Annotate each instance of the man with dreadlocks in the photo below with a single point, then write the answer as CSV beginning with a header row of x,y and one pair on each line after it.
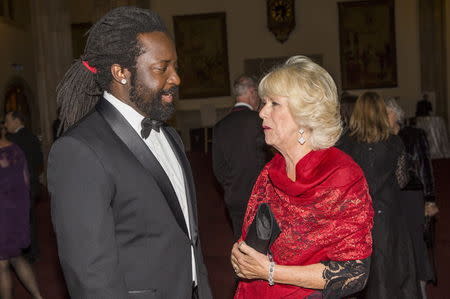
x,y
123,199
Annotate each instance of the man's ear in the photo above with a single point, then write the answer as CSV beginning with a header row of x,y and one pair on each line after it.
x,y
120,74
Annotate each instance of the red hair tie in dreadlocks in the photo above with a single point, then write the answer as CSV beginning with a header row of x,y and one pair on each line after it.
x,y
90,68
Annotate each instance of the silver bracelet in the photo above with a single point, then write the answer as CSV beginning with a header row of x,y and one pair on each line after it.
x,y
271,269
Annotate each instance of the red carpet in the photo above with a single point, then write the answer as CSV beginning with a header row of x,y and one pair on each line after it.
x,y
216,237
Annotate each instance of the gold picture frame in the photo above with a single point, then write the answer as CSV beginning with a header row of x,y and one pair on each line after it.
x,y
201,42
367,44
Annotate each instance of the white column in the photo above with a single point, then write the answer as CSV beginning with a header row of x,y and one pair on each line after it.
x,y
433,52
51,32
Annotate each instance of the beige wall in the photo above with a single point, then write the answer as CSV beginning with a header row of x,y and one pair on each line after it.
x,y
81,11
16,47
248,37
85,11
316,32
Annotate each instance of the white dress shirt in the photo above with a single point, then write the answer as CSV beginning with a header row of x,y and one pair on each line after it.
x,y
19,128
243,104
160,147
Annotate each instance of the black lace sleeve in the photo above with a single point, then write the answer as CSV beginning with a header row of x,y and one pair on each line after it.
x,y
425,170
344,278
402,170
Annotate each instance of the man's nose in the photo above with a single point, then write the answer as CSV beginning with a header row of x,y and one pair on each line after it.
x,y
174,78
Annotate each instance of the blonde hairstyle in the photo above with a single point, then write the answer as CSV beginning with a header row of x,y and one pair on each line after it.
x,y
312,98
369,121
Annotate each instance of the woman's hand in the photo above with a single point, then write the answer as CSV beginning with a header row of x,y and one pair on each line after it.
x,y
431,209
249,263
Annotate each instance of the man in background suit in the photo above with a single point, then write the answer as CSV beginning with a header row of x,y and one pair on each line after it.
x,y
239,150
123,199
31,146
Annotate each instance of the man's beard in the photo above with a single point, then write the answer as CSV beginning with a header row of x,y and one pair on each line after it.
x,y
150,102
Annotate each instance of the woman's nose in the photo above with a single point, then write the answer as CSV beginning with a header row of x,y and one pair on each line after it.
x,y
263,112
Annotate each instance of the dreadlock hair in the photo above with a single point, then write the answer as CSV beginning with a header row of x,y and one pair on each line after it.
x,y
112,40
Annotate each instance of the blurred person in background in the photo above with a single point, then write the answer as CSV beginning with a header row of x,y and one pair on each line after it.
x,y
381,155
19,134
14,219
418,198
239,151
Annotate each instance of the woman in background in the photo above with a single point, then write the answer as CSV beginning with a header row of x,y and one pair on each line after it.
x,y
381,156
419,191
14,219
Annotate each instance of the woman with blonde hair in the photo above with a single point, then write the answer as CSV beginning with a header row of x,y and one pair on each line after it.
x,y
381,156
317,194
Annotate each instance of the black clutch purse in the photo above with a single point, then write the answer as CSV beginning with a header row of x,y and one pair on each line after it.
x,y
264,229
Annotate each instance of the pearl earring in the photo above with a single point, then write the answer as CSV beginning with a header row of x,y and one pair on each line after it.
x,y
123,81
301,140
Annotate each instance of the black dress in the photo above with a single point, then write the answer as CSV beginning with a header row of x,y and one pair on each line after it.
x,y
392,272
14,202
420,188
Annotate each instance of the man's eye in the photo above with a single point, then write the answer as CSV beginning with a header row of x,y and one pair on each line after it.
x,y
161,68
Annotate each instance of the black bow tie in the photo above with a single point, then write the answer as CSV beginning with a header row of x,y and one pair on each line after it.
x,y
148,125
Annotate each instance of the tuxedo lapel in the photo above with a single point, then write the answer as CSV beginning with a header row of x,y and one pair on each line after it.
x,y
144,155
188,182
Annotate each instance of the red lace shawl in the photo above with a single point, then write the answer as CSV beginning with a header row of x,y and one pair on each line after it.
x,y
326,214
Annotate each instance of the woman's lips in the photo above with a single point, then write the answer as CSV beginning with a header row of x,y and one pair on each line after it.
x,y
266,128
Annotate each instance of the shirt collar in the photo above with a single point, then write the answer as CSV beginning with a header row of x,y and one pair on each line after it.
x,y
243,104
133,117
19,128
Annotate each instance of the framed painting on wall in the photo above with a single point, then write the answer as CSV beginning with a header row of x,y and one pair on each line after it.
x,y
367,44
201,42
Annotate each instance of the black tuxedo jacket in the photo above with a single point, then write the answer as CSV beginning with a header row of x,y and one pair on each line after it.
x,y
239,154
31,147
120,230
